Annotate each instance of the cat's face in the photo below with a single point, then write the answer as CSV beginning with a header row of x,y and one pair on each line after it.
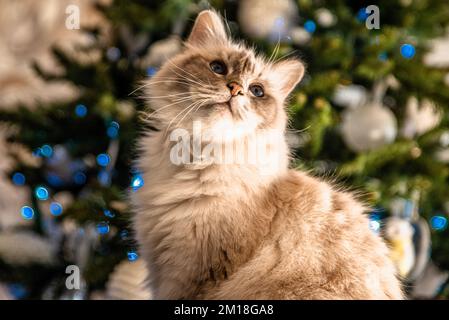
x,y
222,84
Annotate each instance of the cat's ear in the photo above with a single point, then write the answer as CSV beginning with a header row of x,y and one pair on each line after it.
x,y
288,73
208,28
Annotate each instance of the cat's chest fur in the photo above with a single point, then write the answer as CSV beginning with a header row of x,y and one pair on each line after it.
x,y
197,225
232,232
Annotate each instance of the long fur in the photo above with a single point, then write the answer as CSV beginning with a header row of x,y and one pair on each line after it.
x,y
245,231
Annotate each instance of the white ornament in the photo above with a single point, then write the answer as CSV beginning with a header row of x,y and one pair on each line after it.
x,y
419,118
368,127
25,248
325,18
399,234
161,50
350,96
437,56
127,282
267,19
299,35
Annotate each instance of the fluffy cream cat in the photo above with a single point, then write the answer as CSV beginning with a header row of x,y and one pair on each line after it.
x,y
211,229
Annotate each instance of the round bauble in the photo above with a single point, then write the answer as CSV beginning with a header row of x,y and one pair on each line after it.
x,y
269,19
368,127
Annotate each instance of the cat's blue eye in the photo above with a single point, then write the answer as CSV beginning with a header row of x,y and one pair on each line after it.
x,y
218,67
257,90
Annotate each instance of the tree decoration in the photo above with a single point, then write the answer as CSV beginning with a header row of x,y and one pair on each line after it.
x,y
278,18
419,117
370,126
26,248
68,96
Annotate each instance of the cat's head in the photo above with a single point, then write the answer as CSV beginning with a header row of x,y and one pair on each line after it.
x,y
221,83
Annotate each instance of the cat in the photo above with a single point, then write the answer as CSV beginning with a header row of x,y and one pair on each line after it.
x,y
247,230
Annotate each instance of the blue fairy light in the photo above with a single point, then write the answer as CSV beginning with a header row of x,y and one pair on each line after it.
x,y
151,71
27,212
115,124
362,15
408,51
37,152
310,26
41,193
79,178
137,182
46,151
103,159
383,56
18,179
55,208
102,227
108,213
112,132
53,179
438,223
81,110
113,54
104,177
132,256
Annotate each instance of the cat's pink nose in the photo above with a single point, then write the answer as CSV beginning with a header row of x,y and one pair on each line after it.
x,y
235,88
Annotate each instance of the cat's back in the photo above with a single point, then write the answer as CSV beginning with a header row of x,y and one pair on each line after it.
x,y
319,247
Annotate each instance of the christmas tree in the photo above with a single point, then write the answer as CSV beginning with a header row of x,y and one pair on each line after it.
x,y
371,114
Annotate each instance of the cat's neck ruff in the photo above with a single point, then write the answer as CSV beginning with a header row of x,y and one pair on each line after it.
x,y
170,183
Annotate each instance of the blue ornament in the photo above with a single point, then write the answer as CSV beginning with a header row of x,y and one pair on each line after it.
x,y
151,71
27,213
112,132
17,290
102,227
41,193
109,213
132,256
137,182
310,26
408,51
79,178
103,159
46,151
55,208
18,179
81,110
362,15
438,223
